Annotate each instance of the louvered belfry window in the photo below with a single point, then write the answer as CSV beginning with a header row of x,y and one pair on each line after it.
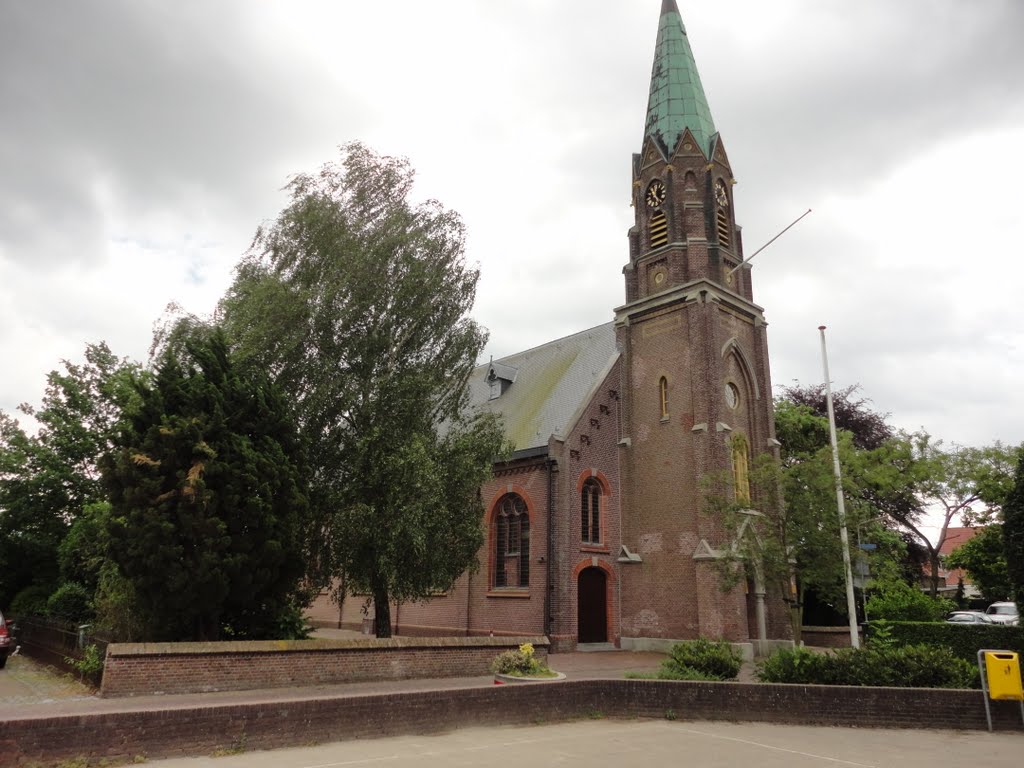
x,y
512,543
722,221
659,230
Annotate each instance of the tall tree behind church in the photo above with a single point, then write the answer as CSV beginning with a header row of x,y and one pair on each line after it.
x,y
357,301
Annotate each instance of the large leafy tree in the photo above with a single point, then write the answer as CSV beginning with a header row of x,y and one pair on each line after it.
x,y
48,478
1013,531
208,498
955,484
913,482
809,515
357,300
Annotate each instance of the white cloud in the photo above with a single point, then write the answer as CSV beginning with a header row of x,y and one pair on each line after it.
x,y
143,143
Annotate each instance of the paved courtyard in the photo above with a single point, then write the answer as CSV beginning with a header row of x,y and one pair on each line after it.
x,y
617,743
27,682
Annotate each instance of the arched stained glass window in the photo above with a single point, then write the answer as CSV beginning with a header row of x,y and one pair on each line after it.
x,y
512,543
740,468
590,511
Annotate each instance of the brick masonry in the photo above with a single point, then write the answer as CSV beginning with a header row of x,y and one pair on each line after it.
x,y
688,320
204,730
138,669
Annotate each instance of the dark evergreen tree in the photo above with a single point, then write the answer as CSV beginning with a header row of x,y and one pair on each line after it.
x,y
208,499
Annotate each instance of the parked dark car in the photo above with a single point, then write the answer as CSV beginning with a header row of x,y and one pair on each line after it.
x,y
968,617
7,643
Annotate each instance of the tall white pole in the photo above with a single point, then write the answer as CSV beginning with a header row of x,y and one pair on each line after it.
x,y
851,605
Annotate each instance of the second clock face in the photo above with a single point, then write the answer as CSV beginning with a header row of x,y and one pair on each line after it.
x,y
721,195
655,194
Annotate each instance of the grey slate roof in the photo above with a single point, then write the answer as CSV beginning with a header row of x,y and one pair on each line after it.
x,y
551,383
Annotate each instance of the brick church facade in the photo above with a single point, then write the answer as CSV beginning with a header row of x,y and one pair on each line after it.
x,y
597,531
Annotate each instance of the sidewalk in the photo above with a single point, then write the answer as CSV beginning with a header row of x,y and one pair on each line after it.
x,y
576,666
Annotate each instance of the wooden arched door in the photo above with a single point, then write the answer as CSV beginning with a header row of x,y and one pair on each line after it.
x,y
593,606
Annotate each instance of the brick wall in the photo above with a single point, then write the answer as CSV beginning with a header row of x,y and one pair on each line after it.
x,y
826,637
162,733
136,669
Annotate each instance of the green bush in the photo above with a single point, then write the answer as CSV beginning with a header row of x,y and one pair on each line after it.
x,y
71,602
963,640
31,601
912,666
293,624
90,666
897,601
791,665
701,660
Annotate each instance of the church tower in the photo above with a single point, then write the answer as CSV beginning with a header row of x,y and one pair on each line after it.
x,y
696,388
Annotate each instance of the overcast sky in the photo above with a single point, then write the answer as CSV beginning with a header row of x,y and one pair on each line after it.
x,y
142,143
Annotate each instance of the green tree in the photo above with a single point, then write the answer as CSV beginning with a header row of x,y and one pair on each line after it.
x,y
957,484
810,498
29,534
1013,531
983,557
46,479
357,301
208,498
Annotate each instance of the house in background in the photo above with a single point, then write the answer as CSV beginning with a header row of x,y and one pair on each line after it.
x,y
597,529
949,579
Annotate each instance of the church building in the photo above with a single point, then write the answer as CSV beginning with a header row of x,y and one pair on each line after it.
x,y
597,531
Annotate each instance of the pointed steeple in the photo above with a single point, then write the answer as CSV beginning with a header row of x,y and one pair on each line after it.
x,y
677,98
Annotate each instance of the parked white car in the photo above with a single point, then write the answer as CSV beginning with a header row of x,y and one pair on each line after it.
x,y
1003,613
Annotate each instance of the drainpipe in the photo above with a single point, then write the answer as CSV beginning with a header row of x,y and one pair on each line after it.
x,y
552,468
469,600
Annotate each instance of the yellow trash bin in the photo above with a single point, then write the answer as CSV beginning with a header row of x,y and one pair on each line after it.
x,y
1002,670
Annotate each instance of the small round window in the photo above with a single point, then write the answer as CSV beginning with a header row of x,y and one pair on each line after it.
x,y
732,395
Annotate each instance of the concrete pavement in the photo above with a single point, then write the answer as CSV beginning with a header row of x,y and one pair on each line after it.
x,y
618,743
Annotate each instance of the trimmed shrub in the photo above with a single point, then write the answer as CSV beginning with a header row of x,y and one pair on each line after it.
x,y
792,665
913,666
70,602
963,640
701,660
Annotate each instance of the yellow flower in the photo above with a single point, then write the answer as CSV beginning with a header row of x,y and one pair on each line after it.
x,y
526,649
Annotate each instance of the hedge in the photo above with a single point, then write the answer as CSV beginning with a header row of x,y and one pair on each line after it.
x,y
965,640
911,666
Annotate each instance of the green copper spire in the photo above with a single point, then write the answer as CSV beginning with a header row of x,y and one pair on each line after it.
x,y
677,98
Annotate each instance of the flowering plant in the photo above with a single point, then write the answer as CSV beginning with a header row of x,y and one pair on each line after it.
x,y
520,663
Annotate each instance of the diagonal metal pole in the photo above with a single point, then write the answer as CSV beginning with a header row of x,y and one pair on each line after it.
x,y
851,605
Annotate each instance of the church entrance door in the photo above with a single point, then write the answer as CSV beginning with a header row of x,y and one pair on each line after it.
x,y
593,606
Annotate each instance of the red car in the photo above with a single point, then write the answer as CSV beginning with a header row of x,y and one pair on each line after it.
x,y
7,645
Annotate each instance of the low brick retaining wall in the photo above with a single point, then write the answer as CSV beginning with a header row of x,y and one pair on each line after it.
x,y
267,725
137,669
826,637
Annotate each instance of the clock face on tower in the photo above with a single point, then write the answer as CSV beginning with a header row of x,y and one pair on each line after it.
x,y
655,194
721,195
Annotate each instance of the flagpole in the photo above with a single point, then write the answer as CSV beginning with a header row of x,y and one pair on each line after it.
x,y
851,605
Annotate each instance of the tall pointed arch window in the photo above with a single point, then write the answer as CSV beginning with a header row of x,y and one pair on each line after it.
x,y
590,511
741,468
512,542
663,396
